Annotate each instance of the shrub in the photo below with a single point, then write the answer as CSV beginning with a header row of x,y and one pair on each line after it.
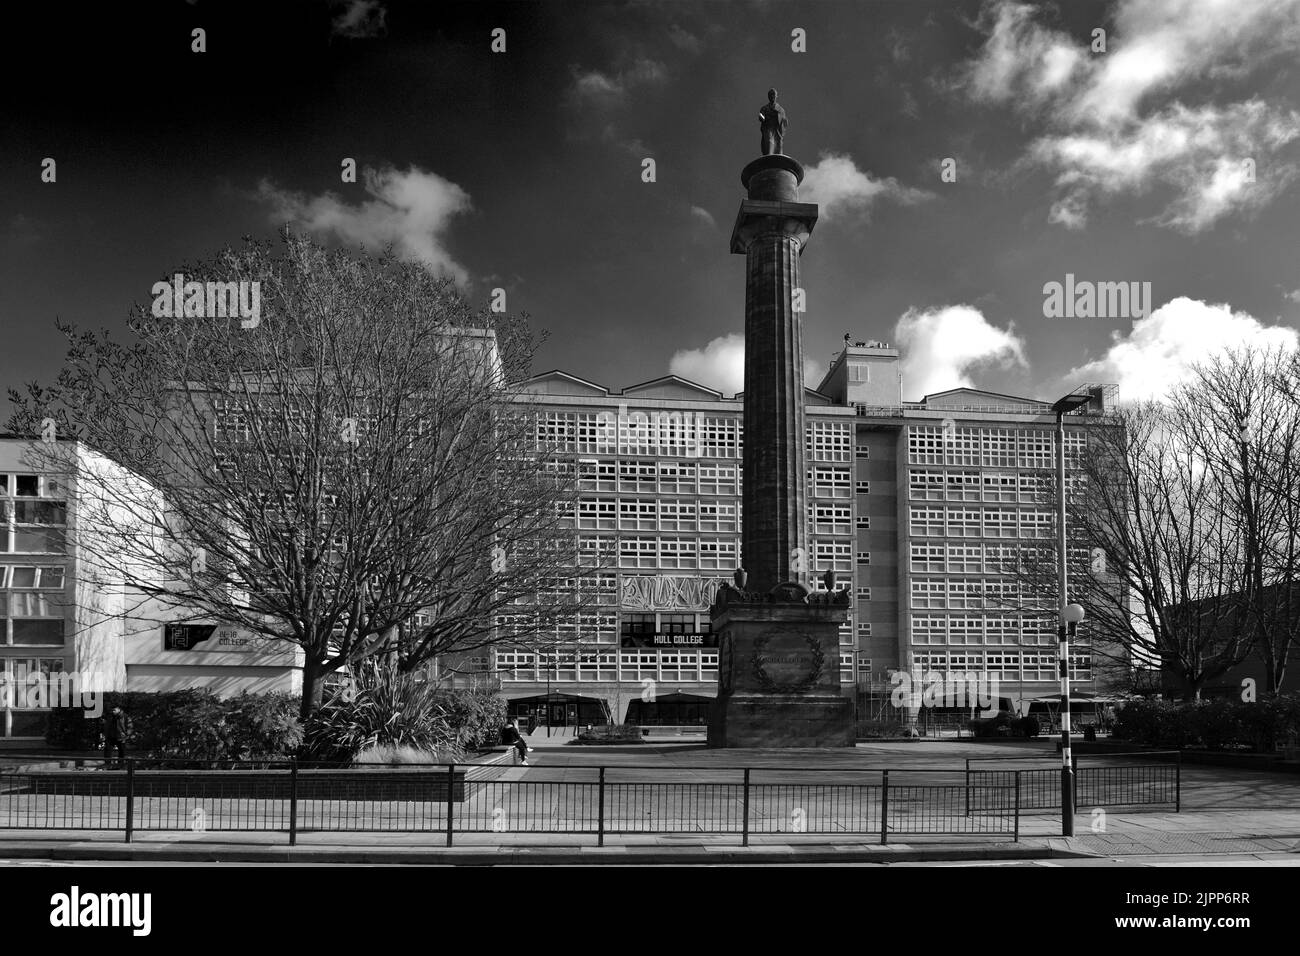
x,y
192,725
385,754
476,717
880,728
383,706
1215,724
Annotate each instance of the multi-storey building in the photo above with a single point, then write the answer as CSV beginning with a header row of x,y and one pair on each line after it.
x,y
919,508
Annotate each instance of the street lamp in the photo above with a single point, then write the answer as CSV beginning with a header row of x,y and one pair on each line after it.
x,y
1070,614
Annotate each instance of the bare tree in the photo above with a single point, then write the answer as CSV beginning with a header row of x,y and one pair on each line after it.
x,y
1158,556
348,471
1240,412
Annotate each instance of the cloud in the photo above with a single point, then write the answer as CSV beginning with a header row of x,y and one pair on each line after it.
x,y
1120,122
359,19
596,100
1160,349
23,231
940,348
839,187
684,40
702,215
721,365
412,210
1293,295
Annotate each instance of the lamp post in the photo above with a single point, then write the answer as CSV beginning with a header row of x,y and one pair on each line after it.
x,y
1070,614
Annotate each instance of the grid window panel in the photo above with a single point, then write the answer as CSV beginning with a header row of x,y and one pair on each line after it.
x,y
963,593
929,593
862,452
1001,558
833,555
962,485
963,629
1037,524
1002,666
831,441
929,629
718,515
1000,523
927,557
831,482
864,521
965,559
998,487
926,522
1001,593
677,477
925,484
929,663
832,519
963,446
864,594
864,557
963,523
1035,449
1000,629
1033,485
999,449
925,445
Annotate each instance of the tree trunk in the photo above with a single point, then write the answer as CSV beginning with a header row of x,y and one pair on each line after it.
x,y
313,686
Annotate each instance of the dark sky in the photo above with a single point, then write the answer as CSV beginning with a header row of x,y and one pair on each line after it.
x,y
523,169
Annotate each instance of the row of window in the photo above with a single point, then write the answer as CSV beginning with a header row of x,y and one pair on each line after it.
x,y
996,487
680,477
952,444
987,558
985,629
30,486
624,665
673,434
980,522
1003,665
658,514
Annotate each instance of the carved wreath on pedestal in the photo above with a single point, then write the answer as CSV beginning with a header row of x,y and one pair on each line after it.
x,y
759,664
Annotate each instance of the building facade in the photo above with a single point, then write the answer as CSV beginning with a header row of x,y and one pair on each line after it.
x,y
919,508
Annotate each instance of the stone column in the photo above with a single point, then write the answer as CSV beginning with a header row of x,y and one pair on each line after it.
x,y
772,229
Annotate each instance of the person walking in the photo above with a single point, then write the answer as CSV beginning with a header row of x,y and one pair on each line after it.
x,y
117,730
514,738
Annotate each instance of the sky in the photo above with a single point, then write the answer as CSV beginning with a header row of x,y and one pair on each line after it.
x,y
964,155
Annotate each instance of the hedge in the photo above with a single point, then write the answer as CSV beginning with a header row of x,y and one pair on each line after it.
x,y
1224,724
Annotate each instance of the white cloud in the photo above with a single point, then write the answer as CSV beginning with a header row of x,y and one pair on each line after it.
x,y
1117,122
412,210
838,186
1157,353
699,214
359,19
1293,295
941,347
721,365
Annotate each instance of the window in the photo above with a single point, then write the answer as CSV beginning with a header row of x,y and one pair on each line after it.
x,y
965,558
16,683
864,594
717,479
963,446
924,445
864,630
1036,449
718,516
929,630
1001,593
999,487
863,487
1001,559
929,593
831,519
1033,487
965,630
637,514
830,441
864,557
1036,524
963,593
638,552
999,448
1002,630
835,555
718,437
927,522
676,477
1076,442
1039,666
963,523
830,482
999,522
927,557
864,521
962,485
597,513
859,372
862,452
926,484
718,555
1002,667
677,553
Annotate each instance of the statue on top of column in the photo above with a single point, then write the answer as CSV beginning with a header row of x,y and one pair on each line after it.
x,y
771,123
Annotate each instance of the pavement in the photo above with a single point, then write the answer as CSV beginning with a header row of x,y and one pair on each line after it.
x,y
1213,825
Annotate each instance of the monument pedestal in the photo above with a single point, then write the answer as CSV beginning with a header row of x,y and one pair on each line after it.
x,y
779,669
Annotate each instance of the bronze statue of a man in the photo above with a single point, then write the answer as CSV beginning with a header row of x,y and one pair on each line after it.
x,y
771,124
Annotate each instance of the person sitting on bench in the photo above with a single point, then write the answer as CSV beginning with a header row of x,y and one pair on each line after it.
x,y
514,738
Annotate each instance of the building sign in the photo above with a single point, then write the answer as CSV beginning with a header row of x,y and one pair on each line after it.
x,y
645,592
669,640
219,638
